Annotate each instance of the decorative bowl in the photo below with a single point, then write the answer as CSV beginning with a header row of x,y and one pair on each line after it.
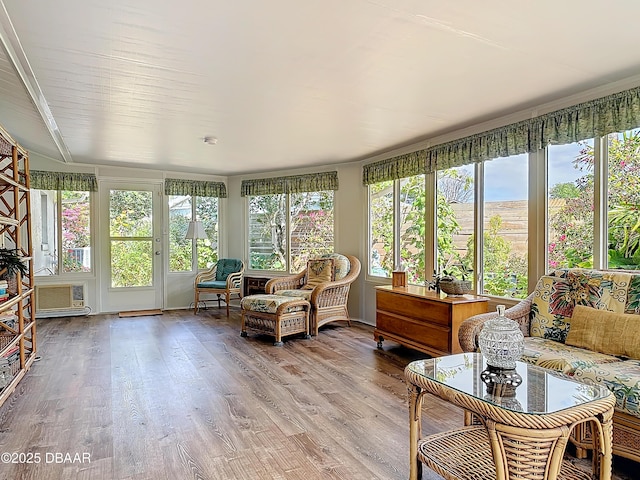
x,y
455,287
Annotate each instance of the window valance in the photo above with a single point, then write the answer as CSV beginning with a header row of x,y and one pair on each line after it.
x,y
613,113
402,166
314,182
197,188
63,181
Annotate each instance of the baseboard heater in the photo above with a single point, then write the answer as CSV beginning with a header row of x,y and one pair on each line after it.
x,y
60,300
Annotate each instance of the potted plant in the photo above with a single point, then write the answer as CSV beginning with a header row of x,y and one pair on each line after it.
x,y
10,264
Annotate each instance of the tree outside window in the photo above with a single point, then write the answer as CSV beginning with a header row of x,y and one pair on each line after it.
x,y
61,231
207,248
570,205
182,209
571,226
381,229
286,230
455,204
311,218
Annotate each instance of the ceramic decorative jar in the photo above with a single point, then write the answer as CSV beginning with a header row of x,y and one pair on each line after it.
x,y
501,341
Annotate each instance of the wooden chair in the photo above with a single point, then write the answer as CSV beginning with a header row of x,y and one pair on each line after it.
x,y
224,278
328,299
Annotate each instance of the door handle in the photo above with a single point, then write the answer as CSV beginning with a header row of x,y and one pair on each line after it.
x,y
158,252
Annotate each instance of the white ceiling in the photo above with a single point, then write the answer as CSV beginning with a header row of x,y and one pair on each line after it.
x,y
289,83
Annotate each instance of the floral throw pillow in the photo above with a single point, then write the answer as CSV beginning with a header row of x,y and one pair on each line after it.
x,y
319,271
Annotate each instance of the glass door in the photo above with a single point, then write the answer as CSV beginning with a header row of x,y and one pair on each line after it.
x,y
132,279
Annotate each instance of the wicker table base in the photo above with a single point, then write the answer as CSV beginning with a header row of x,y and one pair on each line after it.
x,y
520,437
465,454
289,318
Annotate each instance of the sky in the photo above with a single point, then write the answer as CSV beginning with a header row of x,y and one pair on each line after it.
x,y
507,178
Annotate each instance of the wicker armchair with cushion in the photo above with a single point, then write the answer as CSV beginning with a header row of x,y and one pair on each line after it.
x,y
325,283
224,278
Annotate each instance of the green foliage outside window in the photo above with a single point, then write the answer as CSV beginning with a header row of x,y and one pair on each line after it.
x,y
207,248
573,223
181,248
505,272
267,232
131,224
311,218
310,222
131,264
76,233
381,228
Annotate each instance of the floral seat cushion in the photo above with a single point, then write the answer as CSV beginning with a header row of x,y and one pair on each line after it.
x,y
299,293
622,378
560,357
268,303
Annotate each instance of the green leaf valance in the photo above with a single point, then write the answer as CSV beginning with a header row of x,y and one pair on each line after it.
x,y
314,182
63,181
197,188
614,113
401,166
505,141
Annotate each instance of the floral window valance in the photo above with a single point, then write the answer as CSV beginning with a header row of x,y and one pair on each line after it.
x,y
63,181
197,188
315,182
613,113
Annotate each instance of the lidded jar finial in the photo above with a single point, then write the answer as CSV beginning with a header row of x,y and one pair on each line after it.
x,y
501,341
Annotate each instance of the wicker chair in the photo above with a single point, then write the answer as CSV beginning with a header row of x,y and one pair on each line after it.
x,y
328,299
224,278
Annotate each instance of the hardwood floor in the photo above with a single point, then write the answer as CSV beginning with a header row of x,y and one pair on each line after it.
x,y
178,396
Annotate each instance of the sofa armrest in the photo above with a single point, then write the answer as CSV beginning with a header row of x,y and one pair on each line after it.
x,y
470,329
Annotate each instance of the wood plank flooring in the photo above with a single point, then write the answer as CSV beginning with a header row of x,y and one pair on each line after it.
x,y
179,396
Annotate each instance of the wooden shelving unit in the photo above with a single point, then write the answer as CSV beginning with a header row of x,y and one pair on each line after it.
x,y
18,325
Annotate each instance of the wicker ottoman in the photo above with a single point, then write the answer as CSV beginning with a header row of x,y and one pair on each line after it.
x,y
275,315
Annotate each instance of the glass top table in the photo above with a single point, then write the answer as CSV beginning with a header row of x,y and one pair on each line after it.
x,y
522,419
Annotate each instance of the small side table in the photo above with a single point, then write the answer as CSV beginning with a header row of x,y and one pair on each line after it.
x,y
254,284
526,431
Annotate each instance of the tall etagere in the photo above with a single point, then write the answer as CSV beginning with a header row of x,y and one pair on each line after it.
x,y
17,310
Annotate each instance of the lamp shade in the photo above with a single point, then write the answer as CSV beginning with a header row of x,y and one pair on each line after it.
x,y
196,230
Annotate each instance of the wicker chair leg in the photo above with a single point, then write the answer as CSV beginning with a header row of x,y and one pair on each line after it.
x,y
243,327
278,332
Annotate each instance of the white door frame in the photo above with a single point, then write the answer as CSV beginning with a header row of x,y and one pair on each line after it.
x,y
131,298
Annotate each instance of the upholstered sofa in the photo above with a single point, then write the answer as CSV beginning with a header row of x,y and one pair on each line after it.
x,y
584,324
